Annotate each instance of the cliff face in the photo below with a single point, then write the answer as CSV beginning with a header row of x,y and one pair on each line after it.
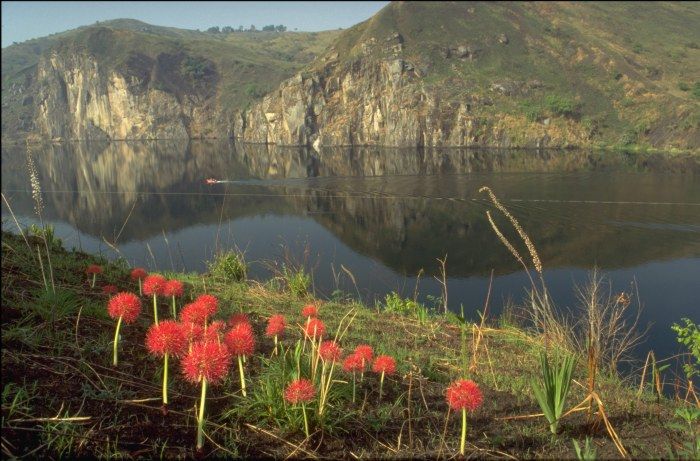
x,y
507,74
369,102
78,98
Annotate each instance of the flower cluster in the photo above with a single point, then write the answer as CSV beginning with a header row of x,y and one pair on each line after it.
x,y
464,394
153,285
275,325
124,305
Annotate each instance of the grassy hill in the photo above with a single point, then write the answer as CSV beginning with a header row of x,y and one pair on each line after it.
x,y
626,72
248,64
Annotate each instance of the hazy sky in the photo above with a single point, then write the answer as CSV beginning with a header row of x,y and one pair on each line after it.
x,y
24,20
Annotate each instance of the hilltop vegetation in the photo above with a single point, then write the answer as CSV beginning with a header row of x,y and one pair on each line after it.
x,y
506,74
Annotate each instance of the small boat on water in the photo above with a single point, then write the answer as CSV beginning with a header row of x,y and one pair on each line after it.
x,y
211,181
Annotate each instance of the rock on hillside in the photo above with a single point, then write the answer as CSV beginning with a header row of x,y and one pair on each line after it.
x,y
501,74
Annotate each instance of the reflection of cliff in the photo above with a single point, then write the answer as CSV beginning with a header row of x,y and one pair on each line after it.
x,y
404,221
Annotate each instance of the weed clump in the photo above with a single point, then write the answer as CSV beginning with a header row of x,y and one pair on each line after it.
x,y
229,267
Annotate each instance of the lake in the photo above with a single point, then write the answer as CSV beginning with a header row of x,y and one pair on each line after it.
x,y
384,216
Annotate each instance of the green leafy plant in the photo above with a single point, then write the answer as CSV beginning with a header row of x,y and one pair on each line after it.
x,y
551,392
689,335
229,267
298,281
691,448
394,303
588,451
561,105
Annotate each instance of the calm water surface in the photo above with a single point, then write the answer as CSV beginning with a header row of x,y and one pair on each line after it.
x,y
385,215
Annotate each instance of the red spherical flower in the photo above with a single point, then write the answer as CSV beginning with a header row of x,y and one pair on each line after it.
x,y
309,311
207,359
384,364
238,318
329,351
300,391
168,337
109,289
93,269
276,325
240,340
194,313
354,362
464,394
173,288
215,331
210,303
193,331
153,285
315,328
124,305
366,352
138,273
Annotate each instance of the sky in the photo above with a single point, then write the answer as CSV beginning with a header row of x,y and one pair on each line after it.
x,y
25,20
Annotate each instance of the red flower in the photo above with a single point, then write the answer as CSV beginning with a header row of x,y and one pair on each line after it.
x,y
309,311
208,360
240,340
93,269
315,328
464,394
209,302
199,310
193,331
138,273
109,289
173,288
124,305
153,285
329,351
300,391
365,351
384,364
214,331
237,318
276,325
354,362
168,337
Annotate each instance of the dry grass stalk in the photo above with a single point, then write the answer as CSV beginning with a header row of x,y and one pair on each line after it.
x,y
479,335
443,281
528,243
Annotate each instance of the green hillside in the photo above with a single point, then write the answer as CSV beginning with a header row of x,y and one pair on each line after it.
x,y
246,64
627,72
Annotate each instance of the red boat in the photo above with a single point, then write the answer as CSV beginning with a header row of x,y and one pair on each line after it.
x,y
211,181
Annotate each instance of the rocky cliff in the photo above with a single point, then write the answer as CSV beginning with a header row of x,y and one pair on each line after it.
x,y
79,99
507,74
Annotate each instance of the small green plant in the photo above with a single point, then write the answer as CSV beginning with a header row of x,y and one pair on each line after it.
x,y
696,90
588,451
691,417
683,86
394,303
561,105
298,281
689,335
45,233
533,111
551,392
229,267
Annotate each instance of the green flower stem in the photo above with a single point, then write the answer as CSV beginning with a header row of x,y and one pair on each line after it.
x,y
306,421
140,289
94,277
464,431
115,360
381,385
275,351
353,387
174,310
327,390
240,369
165,380
200,419
155,308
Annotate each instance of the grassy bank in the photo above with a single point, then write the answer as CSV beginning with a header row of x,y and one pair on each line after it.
x,y
63,398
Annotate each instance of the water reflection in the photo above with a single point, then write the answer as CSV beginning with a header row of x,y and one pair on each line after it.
x,y
403,207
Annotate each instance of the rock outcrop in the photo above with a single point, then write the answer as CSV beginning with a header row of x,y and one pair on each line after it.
x,y
384,102
79,98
